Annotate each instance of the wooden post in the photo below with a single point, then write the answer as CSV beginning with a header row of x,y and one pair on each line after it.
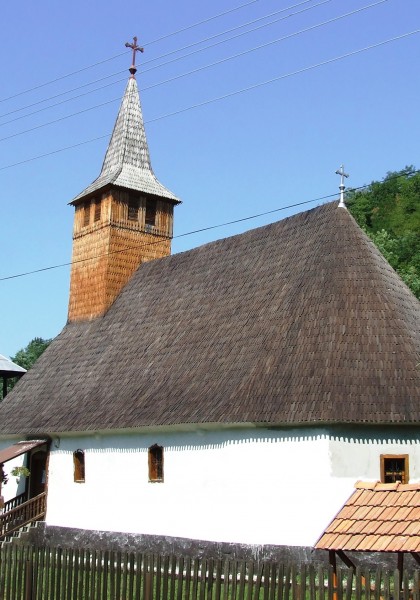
x,y
148,588
333,563
401,568
29,577
4,387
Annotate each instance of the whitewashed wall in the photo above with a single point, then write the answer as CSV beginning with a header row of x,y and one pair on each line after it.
x,y
256,486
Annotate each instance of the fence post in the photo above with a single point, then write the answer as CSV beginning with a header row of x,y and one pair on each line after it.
x,y
148,587
29,575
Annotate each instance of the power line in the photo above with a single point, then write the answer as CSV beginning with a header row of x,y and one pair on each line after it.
x,y
188,233
209,228
66,92
41,85
298,72
289,36
164,56
37,87
303,70
222,14
212,37
329,21
223,60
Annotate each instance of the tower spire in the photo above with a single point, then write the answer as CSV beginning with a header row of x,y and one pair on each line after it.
x,y
342,187
123,218
135,49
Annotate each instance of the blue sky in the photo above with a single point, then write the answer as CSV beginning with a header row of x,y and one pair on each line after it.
x,y
266,148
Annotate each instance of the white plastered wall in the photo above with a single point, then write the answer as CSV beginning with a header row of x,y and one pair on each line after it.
x,y
250,486
253,486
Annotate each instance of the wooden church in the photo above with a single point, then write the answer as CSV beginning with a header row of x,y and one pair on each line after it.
x,y
233,393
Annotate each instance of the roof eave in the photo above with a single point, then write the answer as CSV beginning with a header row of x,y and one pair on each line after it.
x,y
107,186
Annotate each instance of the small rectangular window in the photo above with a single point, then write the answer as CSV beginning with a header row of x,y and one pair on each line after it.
x,y
394,467
150,212
79,466
133,208
97,213
86,214
156,463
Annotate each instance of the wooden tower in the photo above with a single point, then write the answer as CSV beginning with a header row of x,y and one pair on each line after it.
x,y
125,217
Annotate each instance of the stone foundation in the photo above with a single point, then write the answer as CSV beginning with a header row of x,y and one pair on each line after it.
x,y
44,535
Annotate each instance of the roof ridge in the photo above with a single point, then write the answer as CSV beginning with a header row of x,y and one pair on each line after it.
x,y
378,486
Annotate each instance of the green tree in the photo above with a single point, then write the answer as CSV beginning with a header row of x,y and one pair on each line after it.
x,y
26,357
389,212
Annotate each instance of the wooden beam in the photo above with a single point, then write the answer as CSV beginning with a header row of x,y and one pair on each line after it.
x,y
346,560
401,567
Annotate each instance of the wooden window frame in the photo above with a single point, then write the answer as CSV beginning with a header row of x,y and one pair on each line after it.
x,y
403,457
155,456
79,466
86,213
133,208
150,212
97,212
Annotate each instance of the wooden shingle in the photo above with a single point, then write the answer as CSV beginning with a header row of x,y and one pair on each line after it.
x,y
298,322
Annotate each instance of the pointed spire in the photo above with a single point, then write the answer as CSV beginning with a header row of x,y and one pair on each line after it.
x,y
127,161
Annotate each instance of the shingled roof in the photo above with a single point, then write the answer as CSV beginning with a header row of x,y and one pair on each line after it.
x,y
297,322
378,517
127,161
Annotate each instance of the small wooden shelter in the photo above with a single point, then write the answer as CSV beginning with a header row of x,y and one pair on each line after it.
x,y
9,370
378,517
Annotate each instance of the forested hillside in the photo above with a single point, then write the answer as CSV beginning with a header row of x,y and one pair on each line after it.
x,y
389,212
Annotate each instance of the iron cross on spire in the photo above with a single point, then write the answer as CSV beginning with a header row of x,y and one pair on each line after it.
x,y
135,49
342,187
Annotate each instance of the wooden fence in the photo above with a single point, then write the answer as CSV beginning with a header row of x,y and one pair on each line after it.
x,y
28,573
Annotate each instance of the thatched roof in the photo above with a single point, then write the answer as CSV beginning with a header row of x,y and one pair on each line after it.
x,y
297,322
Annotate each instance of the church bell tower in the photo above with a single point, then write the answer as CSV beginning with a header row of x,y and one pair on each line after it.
x,y
124,218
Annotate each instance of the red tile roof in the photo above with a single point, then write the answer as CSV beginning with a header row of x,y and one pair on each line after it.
x,y
379,517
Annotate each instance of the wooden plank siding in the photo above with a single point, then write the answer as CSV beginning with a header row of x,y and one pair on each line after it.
x,y
59,573
114,211
110,243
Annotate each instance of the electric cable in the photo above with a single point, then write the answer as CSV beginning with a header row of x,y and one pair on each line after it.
x,y
160,57
217,35
229,95
208,228
125,52
327,22
291,35
147,244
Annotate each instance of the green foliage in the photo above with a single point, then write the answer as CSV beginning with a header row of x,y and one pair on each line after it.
x,y
27,356
389,212
19,472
